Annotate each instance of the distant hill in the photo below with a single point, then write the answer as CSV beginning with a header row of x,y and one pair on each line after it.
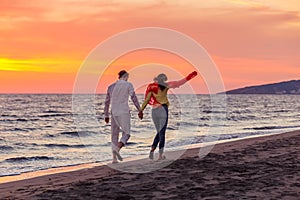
x,y
287,87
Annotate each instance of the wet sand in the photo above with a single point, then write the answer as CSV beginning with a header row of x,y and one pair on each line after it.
x,y
256,168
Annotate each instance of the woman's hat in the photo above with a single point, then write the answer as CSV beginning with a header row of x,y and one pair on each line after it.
x,y
161,78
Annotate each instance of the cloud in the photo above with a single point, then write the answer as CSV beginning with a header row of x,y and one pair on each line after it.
x,y
69,25
238,31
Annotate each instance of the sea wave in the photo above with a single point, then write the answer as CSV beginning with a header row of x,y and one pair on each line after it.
x,y
282,111
6,148
45,124
25,159
66,145
78,133
25,144
57,112
26,120
130,143
55,115
7,115
221,137
270,127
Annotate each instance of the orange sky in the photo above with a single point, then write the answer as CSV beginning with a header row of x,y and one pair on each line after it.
x,y
43,43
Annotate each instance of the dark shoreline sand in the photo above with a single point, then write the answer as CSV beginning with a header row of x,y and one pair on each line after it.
x,y
257,168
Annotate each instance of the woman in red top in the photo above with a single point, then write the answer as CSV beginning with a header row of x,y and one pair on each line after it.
x,y
156,95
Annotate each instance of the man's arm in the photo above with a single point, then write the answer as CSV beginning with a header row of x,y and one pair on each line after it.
x,y
135,101
106,106
134,98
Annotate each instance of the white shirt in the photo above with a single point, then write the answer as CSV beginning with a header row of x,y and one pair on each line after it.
x,y
118,94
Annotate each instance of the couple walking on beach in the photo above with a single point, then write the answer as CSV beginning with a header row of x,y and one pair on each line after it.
x,y
156,95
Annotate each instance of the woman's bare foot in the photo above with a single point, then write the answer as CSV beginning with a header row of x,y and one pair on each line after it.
x,y
162,157
151,155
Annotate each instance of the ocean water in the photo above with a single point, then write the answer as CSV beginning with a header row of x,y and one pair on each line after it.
x,y
38,131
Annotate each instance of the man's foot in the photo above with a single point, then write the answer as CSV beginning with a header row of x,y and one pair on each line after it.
x,y
151,155
117,154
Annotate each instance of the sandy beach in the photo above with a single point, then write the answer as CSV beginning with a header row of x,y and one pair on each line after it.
x,y
255,168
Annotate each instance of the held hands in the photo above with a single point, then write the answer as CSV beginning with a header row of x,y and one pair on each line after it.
x,y
106,119
140,115
191,75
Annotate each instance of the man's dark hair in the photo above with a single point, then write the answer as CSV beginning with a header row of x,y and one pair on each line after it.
x,y
122,73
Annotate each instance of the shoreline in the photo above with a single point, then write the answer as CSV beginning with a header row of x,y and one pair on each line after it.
x,y
71,168
252,150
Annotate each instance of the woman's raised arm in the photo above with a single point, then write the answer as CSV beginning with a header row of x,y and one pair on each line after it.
x,y
176,84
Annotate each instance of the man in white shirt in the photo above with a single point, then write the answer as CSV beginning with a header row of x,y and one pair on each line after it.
x,y
118,94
